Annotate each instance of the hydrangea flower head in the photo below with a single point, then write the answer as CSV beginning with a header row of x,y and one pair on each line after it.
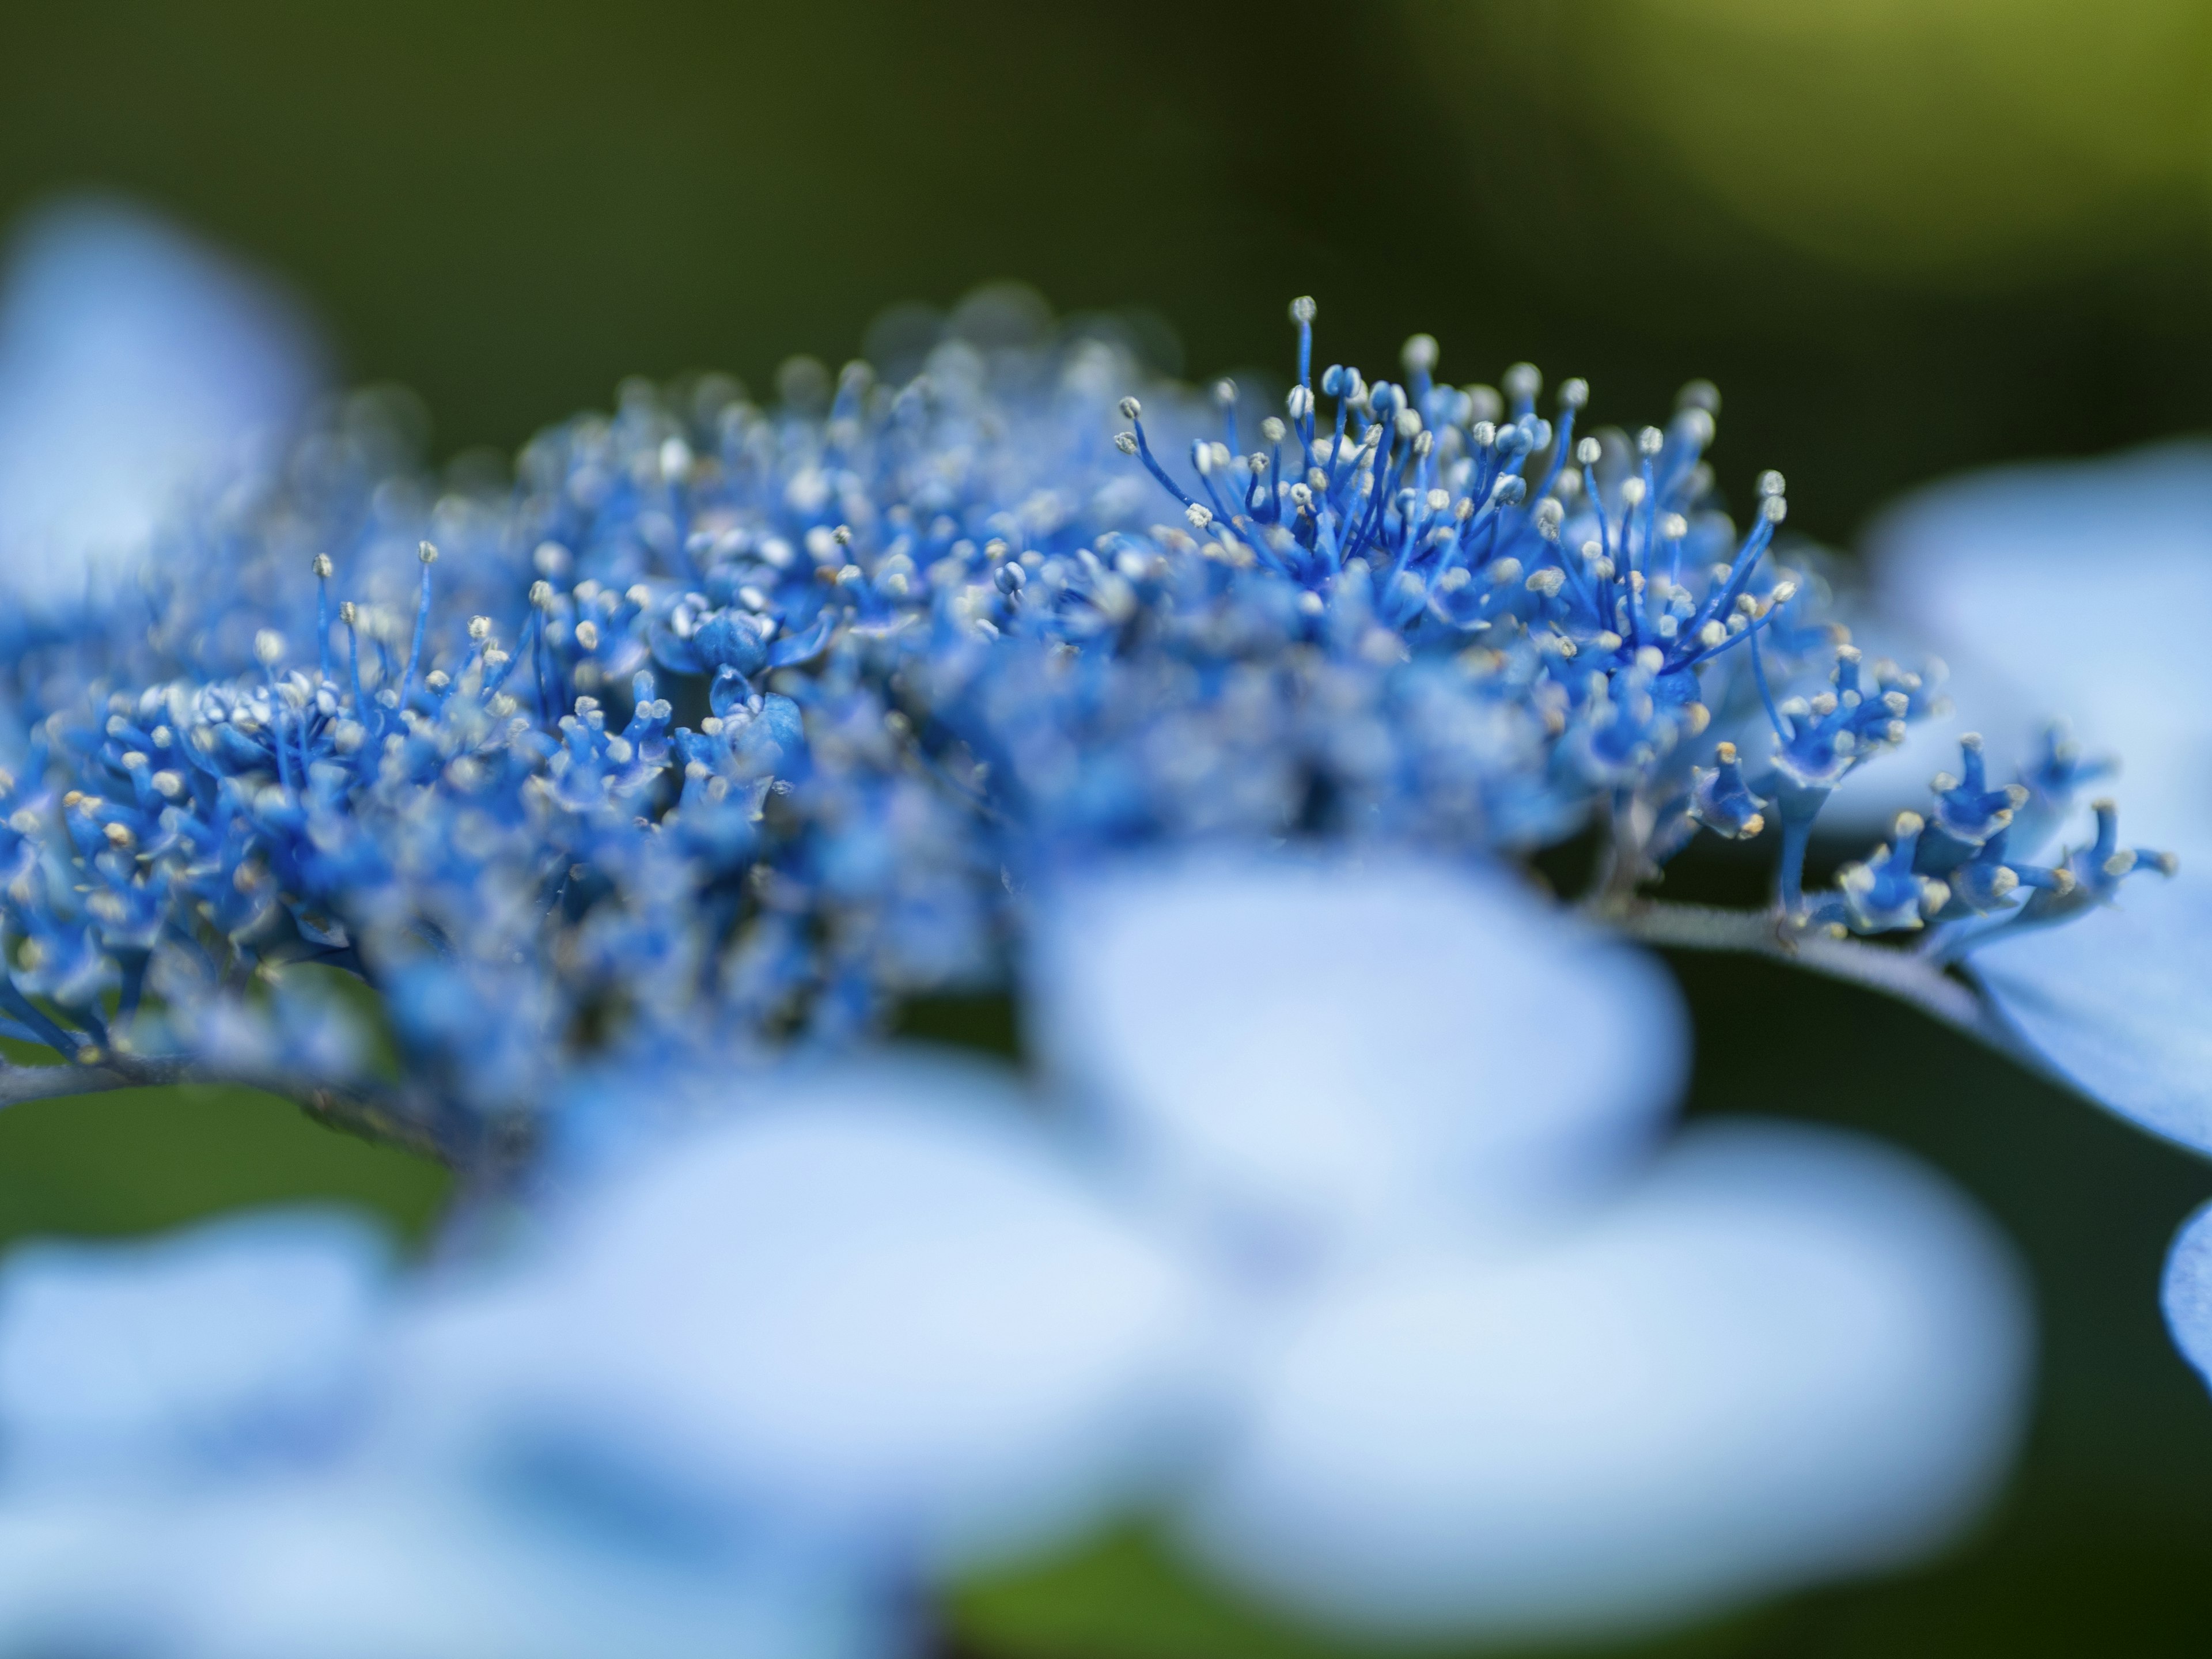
x,y
1348,1241
727,726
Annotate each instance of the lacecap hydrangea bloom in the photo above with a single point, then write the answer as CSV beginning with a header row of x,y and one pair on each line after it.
x,y
524,821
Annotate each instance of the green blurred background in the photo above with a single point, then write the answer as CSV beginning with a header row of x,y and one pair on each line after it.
x,y
1905,238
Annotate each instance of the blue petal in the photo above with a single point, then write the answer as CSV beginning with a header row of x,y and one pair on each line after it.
x,y
2119,1002
885,1302
2078,590
360,1566
1792,1355
134,362
1346,1050
794,648
242,1339
2187,1292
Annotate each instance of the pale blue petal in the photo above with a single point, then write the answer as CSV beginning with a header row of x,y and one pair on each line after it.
x,y
1792,1354
1356,1049
2119,1001
880,1301
241,1339
355,1566
2074,589
2187,1291
134,362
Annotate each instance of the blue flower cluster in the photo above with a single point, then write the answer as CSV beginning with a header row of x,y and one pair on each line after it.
x,y
714,730
724,727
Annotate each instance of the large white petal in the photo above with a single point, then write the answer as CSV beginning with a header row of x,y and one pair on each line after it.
x,y
1355,1049
885,1302
1792,1353
135,362
2078,589
2119,1000
242,1338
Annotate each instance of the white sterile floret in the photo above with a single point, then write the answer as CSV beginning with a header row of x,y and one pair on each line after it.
x,y
128,1359
1530,1384
1787,1353
363,1561
2115,1002
885,1299
1284,1095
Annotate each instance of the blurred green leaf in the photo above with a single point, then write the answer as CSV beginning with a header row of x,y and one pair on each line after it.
x,y
1987,141
1126,1597
140,1160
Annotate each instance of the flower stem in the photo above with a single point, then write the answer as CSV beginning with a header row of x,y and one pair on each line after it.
x,y
1902,975
387,1122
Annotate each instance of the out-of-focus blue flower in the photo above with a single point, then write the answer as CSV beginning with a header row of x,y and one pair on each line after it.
x,y
241,1341
360,1564
1323,1054
138,367
208,1449
888,1300
1785,1356
1502,1363
1350,1245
